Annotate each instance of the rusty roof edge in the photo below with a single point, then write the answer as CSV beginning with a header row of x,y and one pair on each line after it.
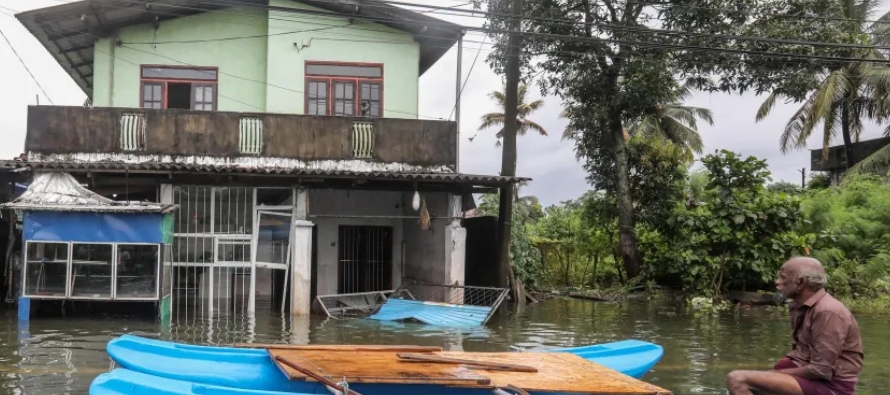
x,y
98,167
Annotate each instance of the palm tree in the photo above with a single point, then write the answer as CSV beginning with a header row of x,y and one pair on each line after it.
x,y
846,93
523,111
674,122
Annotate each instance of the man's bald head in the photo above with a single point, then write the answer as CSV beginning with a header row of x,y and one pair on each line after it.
x,y
809,270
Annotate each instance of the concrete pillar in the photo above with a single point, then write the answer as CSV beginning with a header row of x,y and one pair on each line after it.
x,y
301,261
455,244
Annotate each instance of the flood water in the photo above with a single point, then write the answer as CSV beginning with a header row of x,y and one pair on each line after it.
x,y
62,356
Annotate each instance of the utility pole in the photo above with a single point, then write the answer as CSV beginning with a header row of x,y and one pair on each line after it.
x,y
803,177
508,155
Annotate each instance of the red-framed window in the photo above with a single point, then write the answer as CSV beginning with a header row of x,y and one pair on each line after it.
x,y
192,88
344,89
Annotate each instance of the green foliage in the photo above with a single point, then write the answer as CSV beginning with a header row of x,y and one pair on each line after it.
x,y
574,253
737,236
657,178
784,186
526,212
819,181
853,227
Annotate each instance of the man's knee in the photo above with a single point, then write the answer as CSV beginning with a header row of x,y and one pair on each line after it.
x,y
736,378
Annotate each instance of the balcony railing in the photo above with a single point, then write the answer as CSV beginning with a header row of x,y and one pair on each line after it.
x,y
57,130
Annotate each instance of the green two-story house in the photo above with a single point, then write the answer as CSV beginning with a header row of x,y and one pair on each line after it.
x,y
287,132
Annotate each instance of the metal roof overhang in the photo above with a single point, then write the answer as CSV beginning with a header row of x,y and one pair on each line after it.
x,y
307,176
69,31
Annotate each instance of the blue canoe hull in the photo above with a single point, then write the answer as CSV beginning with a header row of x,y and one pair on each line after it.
x,y
128,382
253,369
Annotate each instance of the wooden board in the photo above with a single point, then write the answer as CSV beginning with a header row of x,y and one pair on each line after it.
x,y
376,367
557,372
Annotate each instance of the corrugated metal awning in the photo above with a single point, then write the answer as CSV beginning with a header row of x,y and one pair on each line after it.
x,y
57,191
183,168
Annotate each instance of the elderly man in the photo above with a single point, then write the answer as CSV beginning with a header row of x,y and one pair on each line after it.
x,y
826,352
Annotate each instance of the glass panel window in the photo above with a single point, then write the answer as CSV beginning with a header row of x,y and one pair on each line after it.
x,y
370,104
344,98
152,95
204,97
346,90
91,271
137,271
46,269
317,97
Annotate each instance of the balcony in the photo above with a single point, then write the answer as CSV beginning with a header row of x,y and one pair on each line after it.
x,y
57,133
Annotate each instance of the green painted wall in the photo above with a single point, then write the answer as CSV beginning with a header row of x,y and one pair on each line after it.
x,y
400,56
247,65
245,58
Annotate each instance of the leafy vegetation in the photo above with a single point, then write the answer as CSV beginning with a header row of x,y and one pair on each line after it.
x,y
705,232
616,64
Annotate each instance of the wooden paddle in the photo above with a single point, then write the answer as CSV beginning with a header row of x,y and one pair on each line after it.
x,y
470,362
316,376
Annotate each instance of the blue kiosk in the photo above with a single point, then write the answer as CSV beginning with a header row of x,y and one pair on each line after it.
x,y
80,246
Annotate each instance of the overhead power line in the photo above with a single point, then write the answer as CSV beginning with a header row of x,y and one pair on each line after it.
x,y
25,66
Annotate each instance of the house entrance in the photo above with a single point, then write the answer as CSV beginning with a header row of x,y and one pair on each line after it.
x,y
231,249
365,258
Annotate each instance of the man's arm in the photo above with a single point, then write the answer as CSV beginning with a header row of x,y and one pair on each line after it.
x,y
829,331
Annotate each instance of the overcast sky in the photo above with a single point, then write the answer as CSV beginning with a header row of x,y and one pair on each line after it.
x,y
548,160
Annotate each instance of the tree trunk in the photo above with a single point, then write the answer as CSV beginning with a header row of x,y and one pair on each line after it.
x,y
845,132
626,233
508,155
596,262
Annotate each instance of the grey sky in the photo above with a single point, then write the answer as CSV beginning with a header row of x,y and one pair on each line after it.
x,y
548,160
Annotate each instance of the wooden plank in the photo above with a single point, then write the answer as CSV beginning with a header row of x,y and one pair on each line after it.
x,y
469,362
315,375
340,347
561,373
556,372
376,367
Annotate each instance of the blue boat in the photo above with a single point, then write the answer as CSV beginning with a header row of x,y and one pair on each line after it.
x,y
253,368
128,382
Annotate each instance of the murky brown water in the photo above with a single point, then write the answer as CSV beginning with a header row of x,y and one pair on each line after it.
x,y
62,356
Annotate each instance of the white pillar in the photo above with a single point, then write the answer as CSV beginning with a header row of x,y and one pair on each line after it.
x,y
301,257
455,244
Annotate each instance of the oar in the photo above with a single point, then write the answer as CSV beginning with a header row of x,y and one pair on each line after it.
x,y
317,377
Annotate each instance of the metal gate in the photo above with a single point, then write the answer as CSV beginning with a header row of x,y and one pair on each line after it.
x,y
227,240
365,257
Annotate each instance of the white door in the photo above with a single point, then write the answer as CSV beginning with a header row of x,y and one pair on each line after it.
x,y
270,246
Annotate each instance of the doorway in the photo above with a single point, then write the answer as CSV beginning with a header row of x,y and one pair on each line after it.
x,y
365,258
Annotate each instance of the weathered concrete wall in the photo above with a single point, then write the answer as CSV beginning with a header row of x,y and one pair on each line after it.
x,y
327,202
425,250
183,133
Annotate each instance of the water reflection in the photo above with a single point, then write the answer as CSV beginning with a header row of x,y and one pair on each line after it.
x,y
62,356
